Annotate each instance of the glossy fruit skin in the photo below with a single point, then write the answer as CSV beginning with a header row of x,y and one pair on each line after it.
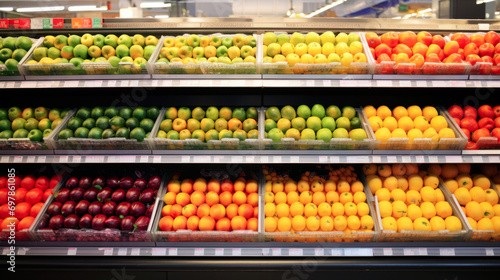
x,y
482,132
485,111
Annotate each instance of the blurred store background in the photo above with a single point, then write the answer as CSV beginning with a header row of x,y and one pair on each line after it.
x,y
400,9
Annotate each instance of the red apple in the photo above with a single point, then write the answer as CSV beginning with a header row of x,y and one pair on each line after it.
x,y
470,111
471,146
485,111
496,110
467,133
471,49
497,122
496,133
456,111
487,123
457,120
473,59
492,38
496,59
469,123
497,48
488,59
486,49
480,133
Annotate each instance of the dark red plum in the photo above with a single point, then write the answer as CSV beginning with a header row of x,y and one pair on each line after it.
x,y
85,221
127,223
82,207
76,194
142,223
154,182
118,195
71,221
56,222
85,182
108,208
91,194
95,208
112,182
137,209
126,183
99,181
133,195
68,208
104,194
149,212
54,208
140,183
147,196
63,195
113,222
98,222
123,209
72,183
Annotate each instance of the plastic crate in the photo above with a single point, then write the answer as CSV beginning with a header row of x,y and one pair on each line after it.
x,y
428,68
89,235
457,143
416,235
27,144
205,236
114,143
195,144
283,67
333,144
5,72
88,68
156,67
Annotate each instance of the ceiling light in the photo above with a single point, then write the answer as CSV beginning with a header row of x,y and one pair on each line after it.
x,y
40,9
155,5
86,8
325,8
6,9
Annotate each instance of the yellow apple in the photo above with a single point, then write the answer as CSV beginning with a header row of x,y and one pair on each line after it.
x,y
328,48
287,49
314,48
300,49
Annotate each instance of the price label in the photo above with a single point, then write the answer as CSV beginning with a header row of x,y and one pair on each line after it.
x,y
277,159
406,159
323,159
335,159
422,251
198,159
384,83
157,159
387,251
376,159
159,251
172,251
458,83
490,252
276,252
10,84
135,252
41,159
319,252
494,159
327,83
433,159
71,83
495,84
421,83
410,251
250,159
392,159
477,159
348,83
420,158
405,84
144,159
4,159
294,159
107,251
122,251
364,83
310,83
236,251
206,83
154,83
30,159
28,84
195,82
167,83
447,251
236,159
478,84
199,252
5,251
356,252
264,159
337,252
72,251
134,83
295,252
111,83
483,26
22,251
124,83
440,84
93,84
18,159
218,158
77,158
219,252
2,84
127,159
186,159
455,159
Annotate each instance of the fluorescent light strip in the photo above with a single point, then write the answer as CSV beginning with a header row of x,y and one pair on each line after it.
x,y
161,16
155,5
325,8
86,8
40,9
6,9
396,18
425,11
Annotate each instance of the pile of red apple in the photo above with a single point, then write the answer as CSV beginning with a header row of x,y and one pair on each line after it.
x,y
101,203
477,123
411,48
30,194
479,48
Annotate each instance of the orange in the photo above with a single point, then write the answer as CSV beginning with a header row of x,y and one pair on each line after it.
x,y
431,181
376,123
437,223
359,197
464,168
292,197
474,210
421,123
485,224
462,195
290,186
414,212
429,112
415,182
439,195
481,181
282,210
303,186
343,186
337,209
332,197
402,183
389,223
374,183
491,196
296,209
385,208
366,222
317,186
404,223
422,224
400,112
310,210
428,209
356,186
451,184
298,223
398,169
398,195
487,209
363,209
278,187
384,170
399,209
269,197
411,168
413,197
326,223
453,223
330,186
438,123
406,124
414,111
346,197
270,209
390,123
284,224
305,197
340,223
428,194
270,224
318,198
472,223
353,222
370,169
280,197
496,209
350,209
383,112
434,169
496,224
269,186
477,194
443,209
324,209
449,171
383,194
312,223
370,111
464,180
390,183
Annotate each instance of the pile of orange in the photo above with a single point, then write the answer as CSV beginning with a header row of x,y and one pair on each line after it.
x,y
409,199
330,203
473,192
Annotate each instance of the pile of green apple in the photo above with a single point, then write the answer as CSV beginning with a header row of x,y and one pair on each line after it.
x,y
212,124
95,48
110,122
32,123
313,48
12,50
313,123
195,49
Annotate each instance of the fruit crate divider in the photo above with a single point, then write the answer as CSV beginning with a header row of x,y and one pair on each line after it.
x,y
36,42
459,134
154,131
159,202
49,140
154,57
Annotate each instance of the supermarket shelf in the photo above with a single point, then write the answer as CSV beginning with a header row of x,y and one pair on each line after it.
x,y
257,156
267,250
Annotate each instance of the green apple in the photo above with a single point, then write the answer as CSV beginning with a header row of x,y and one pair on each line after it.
x,y
94,51
136,51
328,122
282,38
250,41
80,51
54,53
193,40
140,62
74,40
24,43
269,38
5,54
87,40
108,51
114,61
227,42
312,37
326,37
11,64
198,52
139,40
127,59
318,110
276,134
148,51
122,51
246,51
67,52
221,51
111,40
9,43
77,62
151,40
99,40
19,54
304,111
125,40
49,41
60,41
324,134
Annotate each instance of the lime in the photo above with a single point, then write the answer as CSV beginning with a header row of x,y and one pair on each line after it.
x,y
66,133
153,113
126,113
31,124
139,113
102,122
343,122
6,134
89,123
239,113
304,111
108,133
147,125
3,114
117,122
276,134
269,124
35,135
123,132
74,123
288,112
132,123
252,113
5,124
318,110
355,123
82,132
20,133
95,133
110,112
138,134
83,113
47,132
97,112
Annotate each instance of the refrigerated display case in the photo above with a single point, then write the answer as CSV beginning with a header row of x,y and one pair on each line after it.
x,y
264,257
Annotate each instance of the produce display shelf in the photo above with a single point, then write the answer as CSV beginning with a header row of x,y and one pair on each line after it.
x,y
330,250
256,157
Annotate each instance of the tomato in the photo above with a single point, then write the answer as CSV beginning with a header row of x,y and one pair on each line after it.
x,y
34,196
28,182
